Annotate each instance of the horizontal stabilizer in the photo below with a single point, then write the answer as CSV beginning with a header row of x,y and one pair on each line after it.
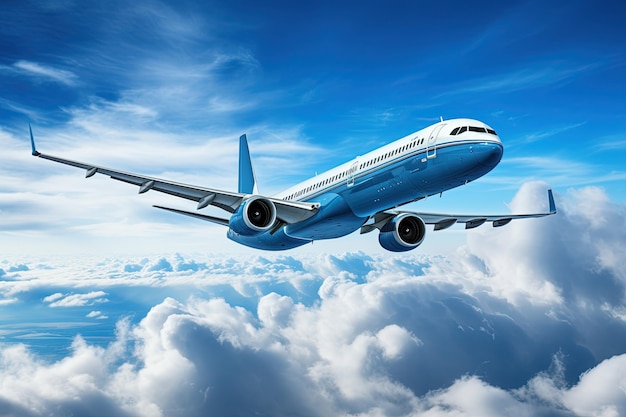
x,y
218,220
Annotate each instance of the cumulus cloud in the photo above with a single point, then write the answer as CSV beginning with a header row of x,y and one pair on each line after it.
x,y
161,264
208,357
571,263
516,323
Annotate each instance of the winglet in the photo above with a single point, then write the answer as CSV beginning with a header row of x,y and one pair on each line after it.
x,y
247,182
35,152
551,202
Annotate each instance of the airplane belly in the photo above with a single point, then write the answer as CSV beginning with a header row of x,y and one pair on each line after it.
x,y
334,219
268,241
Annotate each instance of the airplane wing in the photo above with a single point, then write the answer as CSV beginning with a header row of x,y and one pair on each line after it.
x,y
286,211
443,221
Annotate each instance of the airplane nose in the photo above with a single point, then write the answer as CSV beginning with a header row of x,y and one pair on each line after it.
x,y
488,154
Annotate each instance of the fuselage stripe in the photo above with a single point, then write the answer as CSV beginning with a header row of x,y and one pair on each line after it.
x,y
343,180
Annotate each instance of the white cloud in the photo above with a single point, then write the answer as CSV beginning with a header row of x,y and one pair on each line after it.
x,y
394,340
6,301
75,300
45,72
601,391
533,76
207,357
275,310
518,322
97,315
53,297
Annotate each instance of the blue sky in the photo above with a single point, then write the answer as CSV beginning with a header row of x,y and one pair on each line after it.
x,y
119,309
165,89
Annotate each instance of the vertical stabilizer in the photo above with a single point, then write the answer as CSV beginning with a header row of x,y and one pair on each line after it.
x,y
247,182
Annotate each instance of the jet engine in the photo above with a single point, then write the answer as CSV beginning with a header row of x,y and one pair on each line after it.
x,y
402,233
255,215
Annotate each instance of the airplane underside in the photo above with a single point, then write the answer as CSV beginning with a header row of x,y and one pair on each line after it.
x,y
334,219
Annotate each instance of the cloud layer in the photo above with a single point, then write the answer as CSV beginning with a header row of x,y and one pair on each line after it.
x,y
526,320
516,323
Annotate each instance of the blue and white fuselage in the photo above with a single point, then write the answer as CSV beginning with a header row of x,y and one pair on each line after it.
x,y
363,193
424,163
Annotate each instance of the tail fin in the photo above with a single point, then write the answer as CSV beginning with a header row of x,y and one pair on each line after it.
x,y
247,181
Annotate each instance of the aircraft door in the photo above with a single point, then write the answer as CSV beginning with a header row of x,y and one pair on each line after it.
x,y
352,173
431,145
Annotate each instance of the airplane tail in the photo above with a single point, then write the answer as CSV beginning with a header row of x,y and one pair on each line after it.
x,y
247,181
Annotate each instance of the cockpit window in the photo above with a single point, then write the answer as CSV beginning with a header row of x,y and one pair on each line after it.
x,y
459,130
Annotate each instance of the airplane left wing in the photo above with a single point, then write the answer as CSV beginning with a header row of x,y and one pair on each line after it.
x,y
286,211
443,221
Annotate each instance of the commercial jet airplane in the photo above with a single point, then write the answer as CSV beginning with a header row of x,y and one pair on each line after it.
x,y
364,193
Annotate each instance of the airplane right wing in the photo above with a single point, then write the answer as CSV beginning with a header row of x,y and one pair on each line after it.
x,y
443,221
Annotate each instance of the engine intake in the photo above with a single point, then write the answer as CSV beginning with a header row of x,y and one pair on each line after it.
x,y
402,233
255,215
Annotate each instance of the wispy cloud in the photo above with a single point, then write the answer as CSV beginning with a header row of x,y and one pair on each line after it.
x,y
549,133
555,170
97,315
45,72
75,300
553,164
538,75
7,301
611,143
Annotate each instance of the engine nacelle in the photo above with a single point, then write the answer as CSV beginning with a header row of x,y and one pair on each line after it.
x,y
255,215
402,233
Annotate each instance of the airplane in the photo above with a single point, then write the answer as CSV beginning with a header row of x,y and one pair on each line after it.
x,y
365,193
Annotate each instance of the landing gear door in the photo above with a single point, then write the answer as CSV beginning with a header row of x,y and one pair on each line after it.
x,y
431,145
